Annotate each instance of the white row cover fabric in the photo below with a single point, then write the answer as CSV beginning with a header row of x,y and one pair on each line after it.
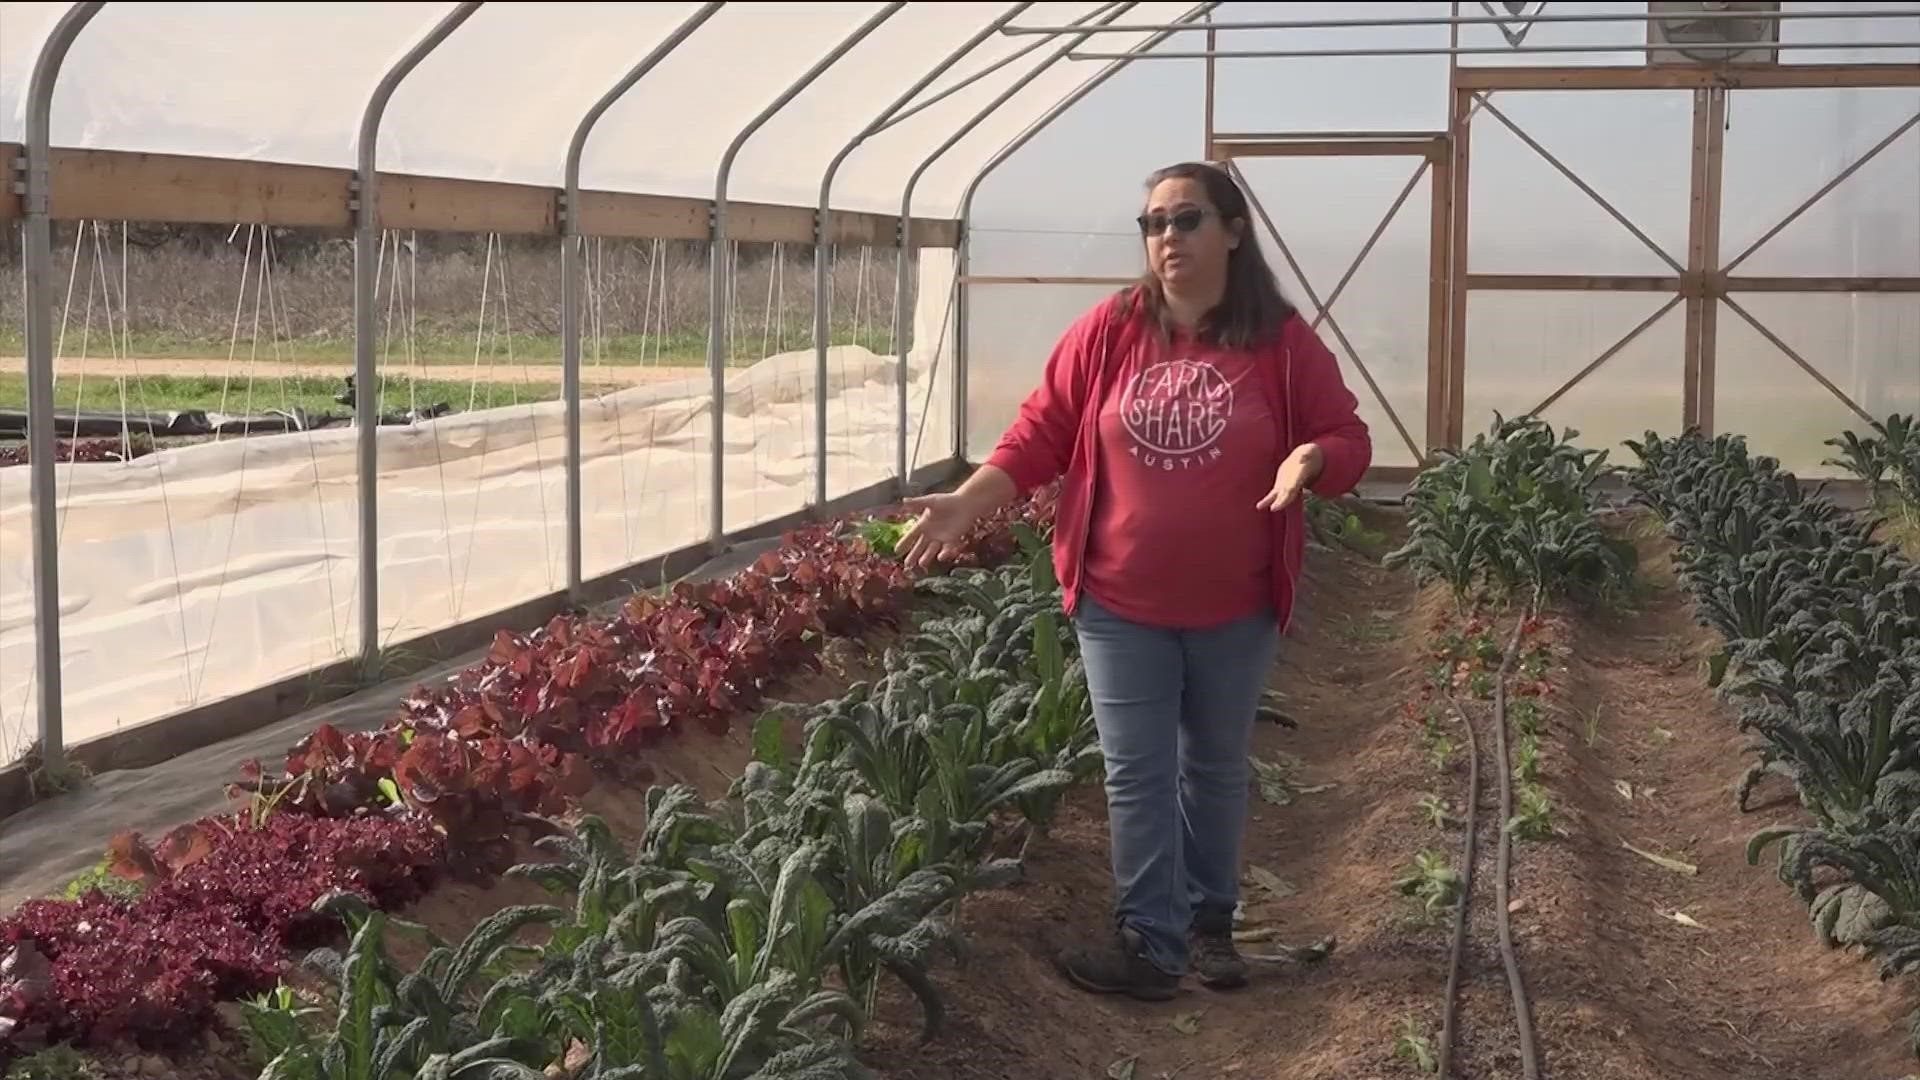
x,y
498,100
198,573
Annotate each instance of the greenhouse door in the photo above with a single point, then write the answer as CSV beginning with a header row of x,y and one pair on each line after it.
x,y
1313,196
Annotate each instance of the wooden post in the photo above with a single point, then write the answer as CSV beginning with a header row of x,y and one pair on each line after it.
x,y
1710,257
1705,283
1696,262
1439,301
1460,124
1212,45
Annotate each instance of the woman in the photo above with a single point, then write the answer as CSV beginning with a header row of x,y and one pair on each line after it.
x,y
1187,414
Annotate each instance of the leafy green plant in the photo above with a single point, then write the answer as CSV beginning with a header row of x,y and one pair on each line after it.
x,y
1432,880
54,1063
1511,515
1414,1047
1438,812
1532,813
1526,758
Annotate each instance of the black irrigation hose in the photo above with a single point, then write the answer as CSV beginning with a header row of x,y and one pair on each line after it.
x,y
1516,984
1449,1014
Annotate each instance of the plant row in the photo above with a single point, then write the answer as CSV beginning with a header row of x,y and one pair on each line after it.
x,y
83,451
749,938
209,912
1511,518
1821,623
1508,519
1887,460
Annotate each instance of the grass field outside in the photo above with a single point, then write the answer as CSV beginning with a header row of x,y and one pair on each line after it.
x,y
177,393
447,348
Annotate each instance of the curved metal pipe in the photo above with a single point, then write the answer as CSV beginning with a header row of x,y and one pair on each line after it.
x,y
999,158
570,284
40,442
719,265
366,273
901,320
821,265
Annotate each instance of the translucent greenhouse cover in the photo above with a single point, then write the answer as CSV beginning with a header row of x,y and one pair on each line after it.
x,y
239,568
196,573
498,100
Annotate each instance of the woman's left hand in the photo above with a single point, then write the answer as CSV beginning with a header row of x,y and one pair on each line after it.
x,y
1301,468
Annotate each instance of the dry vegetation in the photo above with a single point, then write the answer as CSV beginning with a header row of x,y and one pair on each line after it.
x,y
183,286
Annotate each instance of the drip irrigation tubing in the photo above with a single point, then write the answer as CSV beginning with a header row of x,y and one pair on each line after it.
x,y
1516,983
1450,1013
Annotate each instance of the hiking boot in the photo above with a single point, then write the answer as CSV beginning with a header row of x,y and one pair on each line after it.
x,y
1120,966
1215,958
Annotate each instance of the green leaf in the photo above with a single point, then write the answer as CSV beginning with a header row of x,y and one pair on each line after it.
x,y
693,1044
1124,1068
1717,668
1187,1023
1479,480
354,1032
769,744
1270,881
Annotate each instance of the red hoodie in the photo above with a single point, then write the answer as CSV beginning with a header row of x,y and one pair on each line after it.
x,y
1097,367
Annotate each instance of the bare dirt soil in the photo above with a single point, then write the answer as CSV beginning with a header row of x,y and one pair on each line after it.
x,y
1620,991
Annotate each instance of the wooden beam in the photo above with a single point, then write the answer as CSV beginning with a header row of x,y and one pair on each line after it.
x,y
117,185
1800,360
1708,375
442,204
1333,324
1575,283
1427,148
927,232
114,186
650,217
1581,375
1296,136
10,153
1696,262
1043,279
1460,119
1439,301
1859,163
1690,77
1724,283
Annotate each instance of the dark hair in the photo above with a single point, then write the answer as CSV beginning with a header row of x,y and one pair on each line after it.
x,y
1253,309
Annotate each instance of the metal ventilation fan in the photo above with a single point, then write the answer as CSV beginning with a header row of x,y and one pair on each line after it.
x,y
1676,35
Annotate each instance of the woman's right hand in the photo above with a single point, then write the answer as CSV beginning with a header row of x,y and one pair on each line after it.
x,y
943,522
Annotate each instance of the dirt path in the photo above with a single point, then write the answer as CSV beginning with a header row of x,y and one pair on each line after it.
x,y
1620,992
543,371
1013,1017
1625,992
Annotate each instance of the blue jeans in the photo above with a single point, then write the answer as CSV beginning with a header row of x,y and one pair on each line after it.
x,y
1175,709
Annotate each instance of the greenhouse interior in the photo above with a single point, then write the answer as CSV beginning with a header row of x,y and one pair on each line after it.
x,y
465,473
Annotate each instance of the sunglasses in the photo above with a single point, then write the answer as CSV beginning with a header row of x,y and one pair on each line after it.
x,y
1185,221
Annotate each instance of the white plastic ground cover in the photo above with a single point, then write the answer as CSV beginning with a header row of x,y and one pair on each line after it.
x,y
194,574
499,98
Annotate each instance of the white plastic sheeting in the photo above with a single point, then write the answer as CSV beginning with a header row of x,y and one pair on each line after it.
x,y
194,574
1782,146
224,582
287,82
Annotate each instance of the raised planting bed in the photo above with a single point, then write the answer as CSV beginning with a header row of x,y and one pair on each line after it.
x,y
493,756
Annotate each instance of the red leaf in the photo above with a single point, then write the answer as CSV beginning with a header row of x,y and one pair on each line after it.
x,y
183,847
505,648
129,857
